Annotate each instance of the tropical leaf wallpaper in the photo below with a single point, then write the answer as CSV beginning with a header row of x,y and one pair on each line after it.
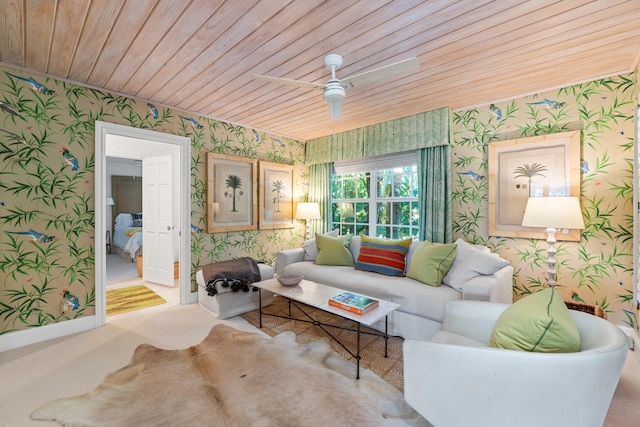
x,y
47,181
599,268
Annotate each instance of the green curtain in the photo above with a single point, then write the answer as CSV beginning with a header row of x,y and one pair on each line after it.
x,y
423,130
320,192
434,193
428,132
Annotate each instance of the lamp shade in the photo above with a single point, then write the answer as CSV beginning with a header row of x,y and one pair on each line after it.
x,y
553,212
308,210
110,201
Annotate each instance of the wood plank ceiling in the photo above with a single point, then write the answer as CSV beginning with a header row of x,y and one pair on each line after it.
x,y
200,55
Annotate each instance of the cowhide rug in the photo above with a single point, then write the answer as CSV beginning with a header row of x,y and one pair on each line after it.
x,y
236,378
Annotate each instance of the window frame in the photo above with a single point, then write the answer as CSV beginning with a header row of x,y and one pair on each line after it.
x,y
394,231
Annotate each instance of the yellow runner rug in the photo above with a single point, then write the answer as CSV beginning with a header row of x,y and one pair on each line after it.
x,y
123,300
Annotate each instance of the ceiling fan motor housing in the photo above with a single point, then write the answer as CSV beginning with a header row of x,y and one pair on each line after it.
x,y
334,93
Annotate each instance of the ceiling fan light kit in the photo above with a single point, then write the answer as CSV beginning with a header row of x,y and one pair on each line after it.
x,y
335,90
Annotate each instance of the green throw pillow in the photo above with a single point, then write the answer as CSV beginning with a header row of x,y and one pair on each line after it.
x,y
539,322
430,263
333,250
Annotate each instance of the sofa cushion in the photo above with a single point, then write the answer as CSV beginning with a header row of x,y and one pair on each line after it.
x,y
430,263
414,297
539,322
384,256
412,249
311,247
471,262
333,250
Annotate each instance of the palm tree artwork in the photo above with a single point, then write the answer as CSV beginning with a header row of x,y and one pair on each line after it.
x,y
278,187
234,182
529,171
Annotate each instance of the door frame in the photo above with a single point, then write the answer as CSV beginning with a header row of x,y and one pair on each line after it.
x,y
102,129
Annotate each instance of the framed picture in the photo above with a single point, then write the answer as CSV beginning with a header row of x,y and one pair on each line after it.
x,y
546,165
232,184
276,196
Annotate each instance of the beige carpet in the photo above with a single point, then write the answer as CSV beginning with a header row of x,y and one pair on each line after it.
x,y
371,347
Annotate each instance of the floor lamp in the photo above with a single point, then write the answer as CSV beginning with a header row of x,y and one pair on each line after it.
x,y
553,213
308,211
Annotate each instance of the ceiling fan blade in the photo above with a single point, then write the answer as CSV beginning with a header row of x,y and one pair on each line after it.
x,y
375,75
289,82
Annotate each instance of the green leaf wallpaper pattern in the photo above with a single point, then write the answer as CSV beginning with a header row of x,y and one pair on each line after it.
x,y
599,268
47,166
42,193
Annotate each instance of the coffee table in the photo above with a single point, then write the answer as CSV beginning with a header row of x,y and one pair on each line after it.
x,y
317,295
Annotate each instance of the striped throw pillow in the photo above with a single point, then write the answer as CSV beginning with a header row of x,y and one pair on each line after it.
x,y
383,256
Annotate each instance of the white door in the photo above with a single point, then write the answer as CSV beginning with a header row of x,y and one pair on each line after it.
x,y
157,220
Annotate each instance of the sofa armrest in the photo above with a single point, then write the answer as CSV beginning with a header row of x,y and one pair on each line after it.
x,y
288,256
497,287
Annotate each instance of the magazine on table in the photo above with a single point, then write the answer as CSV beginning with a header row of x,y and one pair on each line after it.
x,y
354,303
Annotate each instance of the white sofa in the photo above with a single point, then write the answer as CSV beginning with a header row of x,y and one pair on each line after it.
x,y
421,306
458,380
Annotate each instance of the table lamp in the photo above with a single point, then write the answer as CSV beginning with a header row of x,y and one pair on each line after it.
x,y
308,211
553,213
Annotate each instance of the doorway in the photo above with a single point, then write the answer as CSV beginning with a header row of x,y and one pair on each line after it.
x,y
124,183
132,142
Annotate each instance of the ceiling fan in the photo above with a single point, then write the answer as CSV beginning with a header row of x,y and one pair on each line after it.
x,y
335,89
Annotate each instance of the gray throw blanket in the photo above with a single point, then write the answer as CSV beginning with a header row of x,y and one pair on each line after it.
x,y
232,275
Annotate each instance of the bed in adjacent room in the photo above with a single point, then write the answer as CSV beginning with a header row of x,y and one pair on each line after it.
x,y
127,235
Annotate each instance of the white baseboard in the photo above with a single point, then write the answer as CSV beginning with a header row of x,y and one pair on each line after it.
x,y
24,337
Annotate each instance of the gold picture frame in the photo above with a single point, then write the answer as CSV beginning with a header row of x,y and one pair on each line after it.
x,y
232,184
545,165
275,196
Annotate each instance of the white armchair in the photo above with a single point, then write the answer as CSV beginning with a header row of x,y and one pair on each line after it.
x,y
457,380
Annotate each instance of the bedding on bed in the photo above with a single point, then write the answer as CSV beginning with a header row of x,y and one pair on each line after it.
x,y
127,236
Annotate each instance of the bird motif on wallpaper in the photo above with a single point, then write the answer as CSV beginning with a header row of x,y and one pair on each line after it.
x,y
35,85
584,167
575,297
69,158
548,104
195,229
472,175
193,123
15,137
255,135
277,141
35,236
153,110
8,108
70,302
495,111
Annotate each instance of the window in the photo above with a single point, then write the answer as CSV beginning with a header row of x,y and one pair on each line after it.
x,y
381,203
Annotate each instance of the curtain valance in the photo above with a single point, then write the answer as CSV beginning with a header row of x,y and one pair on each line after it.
x,y
423,130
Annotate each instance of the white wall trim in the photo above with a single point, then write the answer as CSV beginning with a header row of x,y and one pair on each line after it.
x,y
102,130
24,337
